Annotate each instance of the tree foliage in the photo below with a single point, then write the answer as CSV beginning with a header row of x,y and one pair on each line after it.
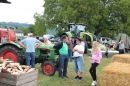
x,y
25,30
109,16
30,29
40,25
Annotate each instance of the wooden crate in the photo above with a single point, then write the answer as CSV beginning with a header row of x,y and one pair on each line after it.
x,y
27,79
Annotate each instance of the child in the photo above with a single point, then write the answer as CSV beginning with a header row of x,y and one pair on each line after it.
x,y
107,48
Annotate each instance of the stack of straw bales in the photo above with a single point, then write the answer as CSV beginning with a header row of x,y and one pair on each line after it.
x,y
123,58
117,73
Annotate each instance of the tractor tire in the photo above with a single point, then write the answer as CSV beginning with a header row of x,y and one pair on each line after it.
x,y
48,68
12,53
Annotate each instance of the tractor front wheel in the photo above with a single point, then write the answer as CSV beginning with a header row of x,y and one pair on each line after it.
x,y
48,68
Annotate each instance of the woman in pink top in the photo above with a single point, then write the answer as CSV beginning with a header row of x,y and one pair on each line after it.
x,y
95,60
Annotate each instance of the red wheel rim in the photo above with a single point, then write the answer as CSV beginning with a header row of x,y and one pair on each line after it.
x,y
47,68
9,55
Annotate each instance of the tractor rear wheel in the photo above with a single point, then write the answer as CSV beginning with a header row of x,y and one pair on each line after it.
x,y
48,68
12,53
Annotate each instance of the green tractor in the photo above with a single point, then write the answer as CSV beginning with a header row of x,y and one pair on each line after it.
x,y
45,54
80,30
13,51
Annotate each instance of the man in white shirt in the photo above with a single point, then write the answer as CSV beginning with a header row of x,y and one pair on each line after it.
x,y
78,61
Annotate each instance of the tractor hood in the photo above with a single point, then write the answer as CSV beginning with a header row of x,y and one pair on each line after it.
x,y
45,46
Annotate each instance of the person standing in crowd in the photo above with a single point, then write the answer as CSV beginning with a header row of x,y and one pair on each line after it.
x,y
95,60
70,46
107,49
121,47
30,45
78,59
46,41
3,39
62,48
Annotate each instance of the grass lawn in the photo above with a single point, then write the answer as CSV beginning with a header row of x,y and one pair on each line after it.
x,y
44,80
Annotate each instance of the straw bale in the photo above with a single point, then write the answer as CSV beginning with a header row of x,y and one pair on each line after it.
x,y
116,74
123,58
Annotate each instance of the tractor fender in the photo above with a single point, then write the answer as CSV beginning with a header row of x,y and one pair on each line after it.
x,y
11,43
86,33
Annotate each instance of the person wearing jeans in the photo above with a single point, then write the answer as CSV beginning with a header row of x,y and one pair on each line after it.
x,y
30,55
107,49
30,45
95,60
70,46
70,54
62,48
63,65
78,59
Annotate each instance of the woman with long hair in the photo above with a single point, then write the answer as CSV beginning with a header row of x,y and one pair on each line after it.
x,y
95,60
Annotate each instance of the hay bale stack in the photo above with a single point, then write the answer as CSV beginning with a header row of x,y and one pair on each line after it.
x,y
116,74
123,58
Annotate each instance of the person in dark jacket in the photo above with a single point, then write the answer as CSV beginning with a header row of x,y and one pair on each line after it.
x,y
62,48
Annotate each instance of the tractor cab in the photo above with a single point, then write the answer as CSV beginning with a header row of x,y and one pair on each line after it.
x,y
80,30
76,29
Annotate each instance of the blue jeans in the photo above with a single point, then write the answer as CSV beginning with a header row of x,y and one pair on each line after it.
x,y
70,54
63,65
30,56
78,64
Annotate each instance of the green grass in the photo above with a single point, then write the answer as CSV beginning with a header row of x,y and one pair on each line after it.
x,y
44,80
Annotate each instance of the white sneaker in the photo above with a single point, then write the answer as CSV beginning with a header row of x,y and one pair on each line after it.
x,y
93,83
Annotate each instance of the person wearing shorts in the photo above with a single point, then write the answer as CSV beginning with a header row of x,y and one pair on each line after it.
x,y
78,61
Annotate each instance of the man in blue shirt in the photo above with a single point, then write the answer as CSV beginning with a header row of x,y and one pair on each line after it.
x,y
30,45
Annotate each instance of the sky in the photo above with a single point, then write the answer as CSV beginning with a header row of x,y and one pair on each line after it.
x,y
21,11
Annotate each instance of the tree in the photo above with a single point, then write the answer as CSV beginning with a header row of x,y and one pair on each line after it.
x,y
25,30
119,17
99,15
40,25
31,29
